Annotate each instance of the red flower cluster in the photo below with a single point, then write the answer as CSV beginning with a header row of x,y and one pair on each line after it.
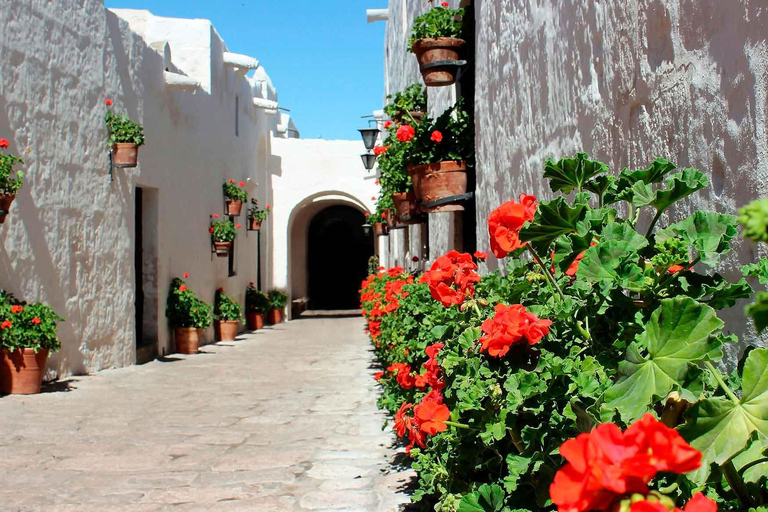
x,y
481,256
452,277
6,325
380,150
505,222
437,137
387,124
108,102
509,326
402,373
393,292
182,288
428,418
608,463
36,321
186,275
698,503
405,133
16,309
4,143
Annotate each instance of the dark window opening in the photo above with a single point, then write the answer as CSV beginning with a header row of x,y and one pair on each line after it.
x,y
237,116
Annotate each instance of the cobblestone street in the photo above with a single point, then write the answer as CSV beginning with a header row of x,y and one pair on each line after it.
x,y
280,420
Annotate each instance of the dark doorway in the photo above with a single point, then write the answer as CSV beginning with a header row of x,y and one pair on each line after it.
x,y
145,270
337,256
138,261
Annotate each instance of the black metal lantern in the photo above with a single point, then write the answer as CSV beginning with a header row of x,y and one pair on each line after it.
x,y
369,137
369,160
367,229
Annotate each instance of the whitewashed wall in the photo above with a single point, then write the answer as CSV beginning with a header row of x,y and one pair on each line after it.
x,y
69,238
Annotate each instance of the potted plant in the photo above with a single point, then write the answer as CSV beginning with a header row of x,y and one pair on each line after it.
x,y
227,314
277,311
435,38
27,334
223,233
10,180
379,224
125,138
256,216
235,195
396,191
257,304
437,157
410,105
187,316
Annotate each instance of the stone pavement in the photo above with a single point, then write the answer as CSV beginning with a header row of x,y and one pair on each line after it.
x,y
281,420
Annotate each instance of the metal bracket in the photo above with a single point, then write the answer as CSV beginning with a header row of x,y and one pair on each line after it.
x,y
443,64
449,199
408,218
399,226
113,165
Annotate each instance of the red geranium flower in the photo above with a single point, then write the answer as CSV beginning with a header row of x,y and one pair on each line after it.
x,y
238,226
481,256
36,321
182,288
366,214
241,184
402,422
108,102
373,199
378,375
186,275
215,215
445,4
387,124
268,207
431,417
3,143
231,180
405,133
436,137
505,222
211,229
380,150
451,278
509,326
16,309
6,325
220,290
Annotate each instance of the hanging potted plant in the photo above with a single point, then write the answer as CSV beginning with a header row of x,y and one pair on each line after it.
x,y
437,157
408,106
379,224
28,334
235,196
227,314
257,304
125,138
223,233
256,216
396,193
277,311
187,316
436,43
10,180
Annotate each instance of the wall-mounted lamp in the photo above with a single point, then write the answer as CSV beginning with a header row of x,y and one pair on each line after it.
x,y
369,160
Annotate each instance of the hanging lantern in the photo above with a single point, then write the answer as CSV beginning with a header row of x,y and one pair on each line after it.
x,y
367,229
369,137
369,160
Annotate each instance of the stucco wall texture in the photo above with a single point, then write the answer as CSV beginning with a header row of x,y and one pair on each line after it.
x,y
69,239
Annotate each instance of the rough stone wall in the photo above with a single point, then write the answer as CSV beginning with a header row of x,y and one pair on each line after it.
x,y
69,240
625,81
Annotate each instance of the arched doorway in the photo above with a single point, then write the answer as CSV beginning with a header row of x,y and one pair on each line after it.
x,y
337,257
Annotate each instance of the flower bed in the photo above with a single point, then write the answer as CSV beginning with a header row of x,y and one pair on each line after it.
x,y
583,376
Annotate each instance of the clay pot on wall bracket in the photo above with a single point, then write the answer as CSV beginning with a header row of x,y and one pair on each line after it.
x,y
234,207
254,225
441,49
440,181
22,371
275,316
225,330
407,208
379,229
5,205
254,321
125,154
187,340
222,249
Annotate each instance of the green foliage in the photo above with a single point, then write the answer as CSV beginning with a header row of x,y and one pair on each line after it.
x,y
754,218
234,191
24,325
436,22
226,308
11,180
255,213
278,298
184,309
412,99
458,142
256,301
223,231
122,129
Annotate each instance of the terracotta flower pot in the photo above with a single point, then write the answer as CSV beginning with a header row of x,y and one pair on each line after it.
x,y
22,371
379,229
187,340
439,181
255,321
5,205
254,225
275,316
125,154
225,330
234,207
435,50
222,249
407,208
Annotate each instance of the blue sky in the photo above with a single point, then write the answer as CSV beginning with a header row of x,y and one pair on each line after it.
x,y
325,60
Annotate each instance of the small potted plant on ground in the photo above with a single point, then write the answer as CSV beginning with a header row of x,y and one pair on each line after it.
x,y
28,334
257,304
10,180
227,314
256,216
125,138
277,312
187,316
435,38
408,106
223,233
235,196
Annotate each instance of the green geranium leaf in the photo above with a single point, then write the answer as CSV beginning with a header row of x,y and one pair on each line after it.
x,y
678,186
757,269
750,457
759,311
613,262
517,466
624,231
726,296
720,428
488,498
653,174
602,185
708,233
553,219
572,173
680,332
642,194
